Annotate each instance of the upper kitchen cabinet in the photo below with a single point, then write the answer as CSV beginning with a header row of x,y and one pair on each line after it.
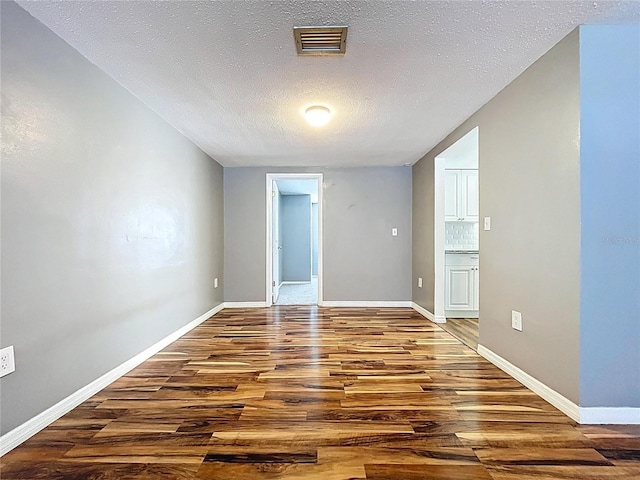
x,y
461,196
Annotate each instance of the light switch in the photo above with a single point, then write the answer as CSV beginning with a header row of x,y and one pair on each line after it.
x,y
394,232
516,320
487,223
419,282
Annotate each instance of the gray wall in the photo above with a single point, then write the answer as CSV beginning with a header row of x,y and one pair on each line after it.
x,y
423,214
111,221
530,186
296,238
362,261
314,239
610,190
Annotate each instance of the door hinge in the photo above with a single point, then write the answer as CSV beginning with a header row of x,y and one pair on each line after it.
x,y
273,284
273,193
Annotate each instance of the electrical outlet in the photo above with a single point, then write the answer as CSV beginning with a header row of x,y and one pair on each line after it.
x,y
7,361
516,320
215,282
419,282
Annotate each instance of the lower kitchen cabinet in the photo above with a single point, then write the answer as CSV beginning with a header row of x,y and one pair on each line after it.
x,y
462,286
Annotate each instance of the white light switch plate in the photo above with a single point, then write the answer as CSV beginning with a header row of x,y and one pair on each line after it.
x,y
419,282
487,223
394,232
516,320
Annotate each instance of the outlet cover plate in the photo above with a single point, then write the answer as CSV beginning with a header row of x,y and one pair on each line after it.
x,y
7,361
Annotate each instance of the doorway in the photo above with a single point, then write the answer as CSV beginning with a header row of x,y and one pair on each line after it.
x,y
294,239
456,239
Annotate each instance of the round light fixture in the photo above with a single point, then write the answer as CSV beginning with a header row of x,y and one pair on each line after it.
x,y
317,115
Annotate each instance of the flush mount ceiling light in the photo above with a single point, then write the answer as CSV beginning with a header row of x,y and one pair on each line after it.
x,y
317,115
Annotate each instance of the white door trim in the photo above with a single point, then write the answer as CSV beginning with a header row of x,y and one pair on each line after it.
x,y
439,242
269,271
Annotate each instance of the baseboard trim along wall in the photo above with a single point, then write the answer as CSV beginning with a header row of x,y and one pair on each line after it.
x,y
582,415
427,314
610,416
365,304
23,432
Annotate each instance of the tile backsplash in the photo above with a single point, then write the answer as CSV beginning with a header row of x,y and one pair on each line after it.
x,y
461,236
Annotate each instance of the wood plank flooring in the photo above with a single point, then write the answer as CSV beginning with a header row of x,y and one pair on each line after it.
x,y
464,329
321,393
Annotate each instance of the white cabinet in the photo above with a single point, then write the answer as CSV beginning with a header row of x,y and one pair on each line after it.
x,y
462,285
451,200
461,196
460,291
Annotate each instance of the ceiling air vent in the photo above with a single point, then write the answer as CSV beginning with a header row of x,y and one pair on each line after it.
x,y
320,40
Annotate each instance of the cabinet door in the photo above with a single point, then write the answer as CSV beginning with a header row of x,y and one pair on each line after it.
x,y
469,201
459,288
451,195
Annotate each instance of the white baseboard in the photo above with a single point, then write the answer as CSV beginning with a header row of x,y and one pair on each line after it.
x,y
554,398
427,314
364,304
296,283
245,304
582,415
610,415
23,432
422,311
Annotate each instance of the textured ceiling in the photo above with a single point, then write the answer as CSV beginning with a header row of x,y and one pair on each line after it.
x,y
226,73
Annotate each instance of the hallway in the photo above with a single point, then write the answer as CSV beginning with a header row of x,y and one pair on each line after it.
x,y
299,293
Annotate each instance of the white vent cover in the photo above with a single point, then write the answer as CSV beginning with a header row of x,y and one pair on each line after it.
x,y
320,40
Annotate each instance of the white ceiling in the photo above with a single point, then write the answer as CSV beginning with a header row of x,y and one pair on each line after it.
x,y
226,73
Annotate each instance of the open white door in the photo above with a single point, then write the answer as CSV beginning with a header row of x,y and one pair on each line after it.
x,y
275,244
274,250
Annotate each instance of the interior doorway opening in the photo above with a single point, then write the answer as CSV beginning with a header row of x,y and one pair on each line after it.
x,y
457,245
294,239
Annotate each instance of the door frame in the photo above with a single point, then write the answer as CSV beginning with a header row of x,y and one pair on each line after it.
x,y
439,242
270,178
439,166
275,290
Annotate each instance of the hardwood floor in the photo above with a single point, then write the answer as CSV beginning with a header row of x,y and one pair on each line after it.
x,y
464,329
321,393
